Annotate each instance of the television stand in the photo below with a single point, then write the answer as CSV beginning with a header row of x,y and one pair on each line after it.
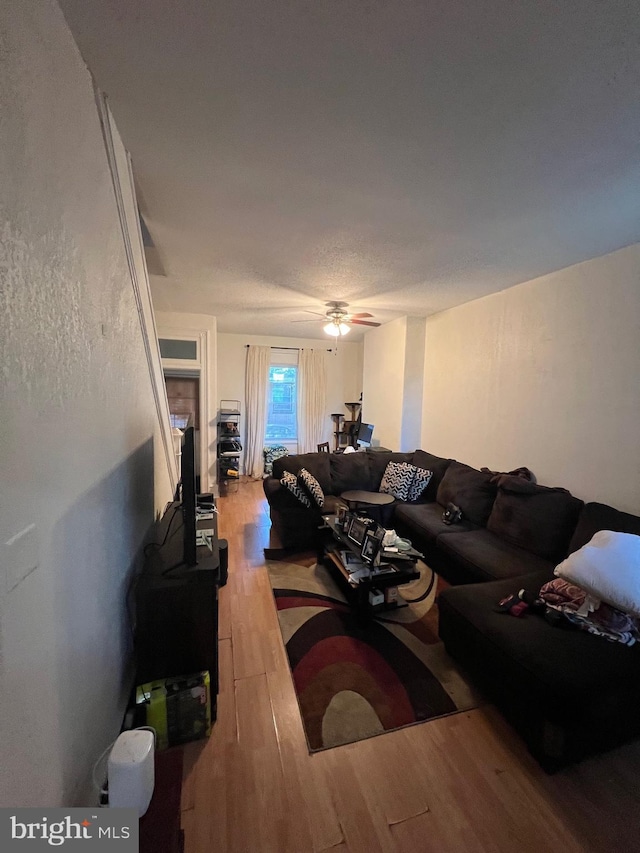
x,y
176,630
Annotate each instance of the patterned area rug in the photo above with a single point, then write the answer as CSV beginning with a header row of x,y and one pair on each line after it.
x,y
354,681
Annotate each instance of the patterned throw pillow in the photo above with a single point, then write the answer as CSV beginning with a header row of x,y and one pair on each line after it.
x,y
397,479
271,453
311,487
419,483
290,482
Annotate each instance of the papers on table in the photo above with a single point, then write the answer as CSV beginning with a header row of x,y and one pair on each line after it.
x,y
204,537
354,565
350,560
359,574
358,570
203,513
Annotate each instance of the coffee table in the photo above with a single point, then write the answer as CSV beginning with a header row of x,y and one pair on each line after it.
x,y
359,496
398,571
370,503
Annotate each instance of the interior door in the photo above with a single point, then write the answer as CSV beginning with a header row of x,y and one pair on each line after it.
x,y
183,394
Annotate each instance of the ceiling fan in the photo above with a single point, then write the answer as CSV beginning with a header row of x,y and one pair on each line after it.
x,y
338,320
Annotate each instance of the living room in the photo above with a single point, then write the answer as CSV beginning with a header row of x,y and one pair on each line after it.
x,y
516,345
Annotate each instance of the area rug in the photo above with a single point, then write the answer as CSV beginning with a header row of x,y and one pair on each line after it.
x,y
354,681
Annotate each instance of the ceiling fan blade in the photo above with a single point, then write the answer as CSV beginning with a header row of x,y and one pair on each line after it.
x,y
361,314
315,314
363,323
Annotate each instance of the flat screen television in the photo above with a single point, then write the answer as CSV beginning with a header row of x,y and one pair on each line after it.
x,y
365,432
187,489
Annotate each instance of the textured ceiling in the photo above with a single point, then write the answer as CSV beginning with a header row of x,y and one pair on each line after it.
x,y
402,156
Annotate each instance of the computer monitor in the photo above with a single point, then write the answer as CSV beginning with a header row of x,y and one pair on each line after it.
x,y
364,435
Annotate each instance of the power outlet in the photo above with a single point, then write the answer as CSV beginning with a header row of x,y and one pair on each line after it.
x,y
21,555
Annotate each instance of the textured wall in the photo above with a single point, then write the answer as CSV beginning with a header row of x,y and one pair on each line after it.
x,y
78,421
545,375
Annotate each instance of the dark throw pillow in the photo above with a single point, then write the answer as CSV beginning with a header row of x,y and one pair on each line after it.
x,y
311,487
290,482
537,518
437,465
469,489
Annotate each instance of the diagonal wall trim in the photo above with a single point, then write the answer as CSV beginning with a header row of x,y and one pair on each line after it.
x,y
139,278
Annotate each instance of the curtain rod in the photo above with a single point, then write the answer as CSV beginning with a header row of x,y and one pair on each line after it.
x,y
292,348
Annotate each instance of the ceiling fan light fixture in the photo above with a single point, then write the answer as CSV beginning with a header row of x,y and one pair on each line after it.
x,y
335,328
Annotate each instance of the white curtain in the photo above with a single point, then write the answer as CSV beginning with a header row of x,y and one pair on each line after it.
x,y
312,395
255,395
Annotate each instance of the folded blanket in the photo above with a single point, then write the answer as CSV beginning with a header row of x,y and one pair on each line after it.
x,y
563,594
504,478
589,613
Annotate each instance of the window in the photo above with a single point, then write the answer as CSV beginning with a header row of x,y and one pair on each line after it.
x,y
281,414
184,350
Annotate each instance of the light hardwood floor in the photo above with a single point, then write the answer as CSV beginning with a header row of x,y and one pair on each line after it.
x,y
462,783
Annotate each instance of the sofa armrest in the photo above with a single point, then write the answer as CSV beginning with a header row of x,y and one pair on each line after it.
x,y
279,497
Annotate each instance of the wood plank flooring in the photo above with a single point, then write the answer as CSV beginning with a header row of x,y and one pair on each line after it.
x,y
461,783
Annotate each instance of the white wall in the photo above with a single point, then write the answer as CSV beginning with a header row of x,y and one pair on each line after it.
x,y
344,369
413,385
196,324
383,381
79,439
393,382
545,374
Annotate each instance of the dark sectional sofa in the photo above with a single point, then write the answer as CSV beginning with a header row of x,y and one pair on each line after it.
x,y
567,692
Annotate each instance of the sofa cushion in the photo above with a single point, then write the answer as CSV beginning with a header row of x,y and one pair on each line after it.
x,y
349,471
290,482
311,487
316,463
378,460
397,480
469,489
597,516
537,518
424,521
485,556
568,693
568,674
437,465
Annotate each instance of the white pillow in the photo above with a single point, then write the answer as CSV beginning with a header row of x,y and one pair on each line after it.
x,y
608,568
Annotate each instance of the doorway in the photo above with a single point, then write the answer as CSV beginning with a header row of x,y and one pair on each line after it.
x,y
183,396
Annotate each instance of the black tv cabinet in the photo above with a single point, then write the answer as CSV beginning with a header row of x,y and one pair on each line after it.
x,y
176,631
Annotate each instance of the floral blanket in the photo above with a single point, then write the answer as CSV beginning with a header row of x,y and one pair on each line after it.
x,y
590,614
